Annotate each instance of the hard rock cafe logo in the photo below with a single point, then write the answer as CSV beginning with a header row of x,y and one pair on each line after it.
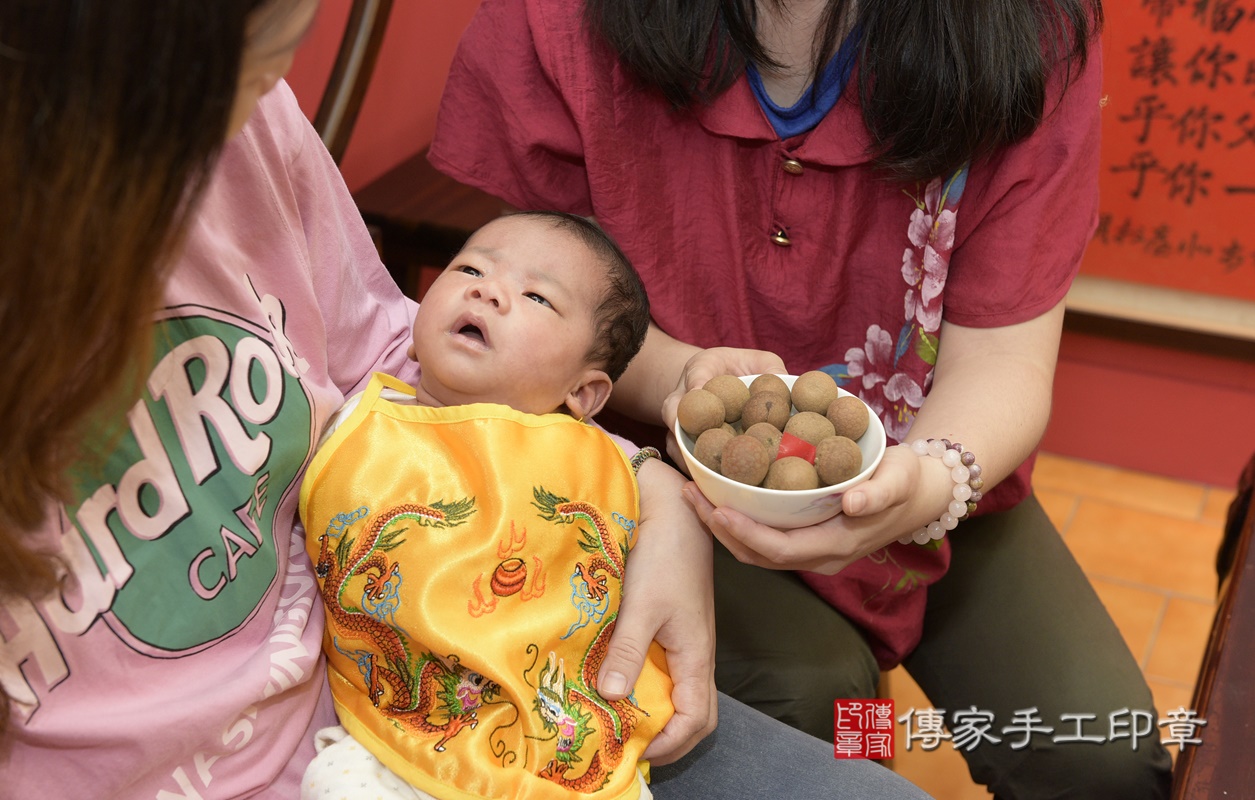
x,y
223,423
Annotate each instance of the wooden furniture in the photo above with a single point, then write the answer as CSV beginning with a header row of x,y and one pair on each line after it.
x,y
1224,695
420,217
350,74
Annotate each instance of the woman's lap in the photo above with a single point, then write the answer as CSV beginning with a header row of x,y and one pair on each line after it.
x,y
1014,625
752,756
1037,637
782,649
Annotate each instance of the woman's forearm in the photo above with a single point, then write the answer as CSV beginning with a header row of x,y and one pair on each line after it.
x,y
992,391
651,376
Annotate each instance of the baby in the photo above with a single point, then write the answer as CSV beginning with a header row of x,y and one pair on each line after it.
x,y
470,535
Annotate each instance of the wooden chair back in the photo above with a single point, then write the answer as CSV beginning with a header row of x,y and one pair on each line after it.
x,y
351,73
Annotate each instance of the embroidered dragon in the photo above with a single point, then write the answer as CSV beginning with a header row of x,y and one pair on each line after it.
x,y
423,693
569,707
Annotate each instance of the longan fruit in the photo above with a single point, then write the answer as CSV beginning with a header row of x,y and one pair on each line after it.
x,y
768,434
770,382
814,391
766,407
791,473
745,460
699,411
837,459
810,427
732,391
848,416
708,449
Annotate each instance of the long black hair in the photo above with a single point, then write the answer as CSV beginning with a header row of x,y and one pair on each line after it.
x,y
112,115
940,82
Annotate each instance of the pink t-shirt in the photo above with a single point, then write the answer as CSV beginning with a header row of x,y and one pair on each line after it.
x,y
182,659
540,115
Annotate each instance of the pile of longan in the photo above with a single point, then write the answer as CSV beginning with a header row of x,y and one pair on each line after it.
x,y
751,435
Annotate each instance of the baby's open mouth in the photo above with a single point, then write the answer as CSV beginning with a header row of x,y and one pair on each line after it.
x,y
472,331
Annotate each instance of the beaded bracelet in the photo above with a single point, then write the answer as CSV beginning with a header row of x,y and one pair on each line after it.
x,y
643,455
965,473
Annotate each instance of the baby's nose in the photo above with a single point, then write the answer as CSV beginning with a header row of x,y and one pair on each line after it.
x,y
490,292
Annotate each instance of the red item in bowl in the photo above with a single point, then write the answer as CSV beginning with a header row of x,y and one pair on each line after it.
x,y
791,445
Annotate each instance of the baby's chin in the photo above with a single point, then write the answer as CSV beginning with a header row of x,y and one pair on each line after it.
x,y
437,396
441,399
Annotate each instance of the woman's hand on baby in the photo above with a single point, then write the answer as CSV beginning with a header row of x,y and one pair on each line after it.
x,y
667,597
705,365
901,496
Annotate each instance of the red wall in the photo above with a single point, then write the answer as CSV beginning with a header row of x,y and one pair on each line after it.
x,y
1156,400
399,113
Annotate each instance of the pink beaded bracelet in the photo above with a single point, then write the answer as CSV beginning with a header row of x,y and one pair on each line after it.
x,y
965,473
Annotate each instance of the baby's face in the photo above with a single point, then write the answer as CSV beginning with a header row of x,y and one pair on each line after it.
x,y
510,320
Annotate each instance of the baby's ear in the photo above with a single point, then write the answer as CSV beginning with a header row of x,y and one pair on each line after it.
x,y
590,395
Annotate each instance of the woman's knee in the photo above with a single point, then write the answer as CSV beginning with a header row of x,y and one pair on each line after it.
x,y
798,686
783,650
1113,770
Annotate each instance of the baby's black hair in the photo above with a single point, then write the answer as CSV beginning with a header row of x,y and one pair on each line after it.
x,y
621,320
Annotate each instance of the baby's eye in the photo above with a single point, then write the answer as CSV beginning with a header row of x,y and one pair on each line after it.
x,y
539,299
474,273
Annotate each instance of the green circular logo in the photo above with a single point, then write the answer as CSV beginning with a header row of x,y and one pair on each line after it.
x,y
181,516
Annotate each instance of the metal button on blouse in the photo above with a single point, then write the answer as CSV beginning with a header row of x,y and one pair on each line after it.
x,y
792,166
781,237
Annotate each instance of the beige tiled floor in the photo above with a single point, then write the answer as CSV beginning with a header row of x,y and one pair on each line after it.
x,y
1148,544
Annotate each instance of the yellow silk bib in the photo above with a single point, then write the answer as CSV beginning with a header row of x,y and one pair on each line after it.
x,y
471,562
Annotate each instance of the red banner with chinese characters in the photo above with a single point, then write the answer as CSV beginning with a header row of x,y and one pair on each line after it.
x,y
1177,181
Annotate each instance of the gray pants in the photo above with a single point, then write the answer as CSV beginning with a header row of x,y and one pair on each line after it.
x,y
749,757
753,757
1014,625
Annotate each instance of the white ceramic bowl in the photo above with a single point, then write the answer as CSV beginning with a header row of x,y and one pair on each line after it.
x,y
776,507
